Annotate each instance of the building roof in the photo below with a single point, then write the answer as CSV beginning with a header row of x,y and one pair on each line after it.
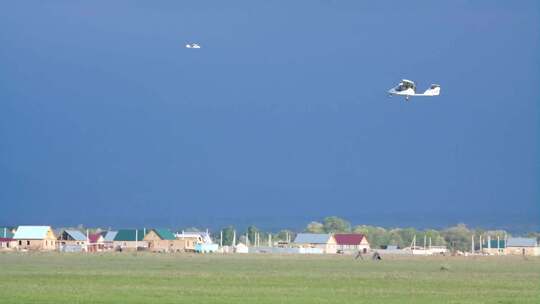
x,y
189,234
493,244
76,235
2,239
58,231
110,235
5,232
94,237
31,232
130,234
521,242
349,238
201,236
165,234
312,238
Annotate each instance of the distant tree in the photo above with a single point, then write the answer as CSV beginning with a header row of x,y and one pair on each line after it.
x,y
334,224
263,238
283,234
252,232
228,233
407,236
363,229
377,236
315,227
435,236
395,238
458,237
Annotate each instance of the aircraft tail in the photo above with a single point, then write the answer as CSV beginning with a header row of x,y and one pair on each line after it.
x,y
434,90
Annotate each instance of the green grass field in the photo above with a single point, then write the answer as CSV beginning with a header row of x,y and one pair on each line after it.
x,y
154,278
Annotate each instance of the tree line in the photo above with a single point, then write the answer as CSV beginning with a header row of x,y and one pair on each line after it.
x,y
455,238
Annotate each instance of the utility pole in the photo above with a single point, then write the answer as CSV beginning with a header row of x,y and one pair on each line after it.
x,y
234,238
221,238
136,239
480,243
472,244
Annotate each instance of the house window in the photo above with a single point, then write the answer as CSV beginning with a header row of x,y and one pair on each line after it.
x,y
20,243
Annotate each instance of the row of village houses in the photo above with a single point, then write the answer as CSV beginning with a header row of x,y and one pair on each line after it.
x,y
44,238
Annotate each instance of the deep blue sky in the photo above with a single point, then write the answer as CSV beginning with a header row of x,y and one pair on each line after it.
x,y
281,117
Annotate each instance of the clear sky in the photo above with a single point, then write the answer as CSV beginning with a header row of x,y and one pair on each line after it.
x,y
281,117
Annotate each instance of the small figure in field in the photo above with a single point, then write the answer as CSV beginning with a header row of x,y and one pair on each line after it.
x,y
359,255
376,256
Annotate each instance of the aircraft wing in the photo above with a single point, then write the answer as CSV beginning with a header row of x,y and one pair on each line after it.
x,y
434,90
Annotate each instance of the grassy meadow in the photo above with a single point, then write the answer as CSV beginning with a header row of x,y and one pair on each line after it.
x,y
186,278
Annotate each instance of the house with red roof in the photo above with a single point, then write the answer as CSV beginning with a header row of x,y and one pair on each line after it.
x,y
96,242
6,239
351,242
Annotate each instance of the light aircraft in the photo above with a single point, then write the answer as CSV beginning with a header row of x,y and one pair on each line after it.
x,y
193,46
407,88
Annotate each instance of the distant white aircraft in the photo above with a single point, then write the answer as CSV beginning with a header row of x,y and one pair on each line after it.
x,y
193,46
407,88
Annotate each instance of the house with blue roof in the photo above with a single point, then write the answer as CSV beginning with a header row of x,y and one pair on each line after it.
x,y
36,238
108,239
323,241
522,246
71,240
